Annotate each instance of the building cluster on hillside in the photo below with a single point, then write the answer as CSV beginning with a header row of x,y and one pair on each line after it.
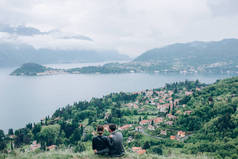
x,y
180,135
138,150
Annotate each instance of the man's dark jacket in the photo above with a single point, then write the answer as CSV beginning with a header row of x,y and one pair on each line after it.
x,y
116,144
101,144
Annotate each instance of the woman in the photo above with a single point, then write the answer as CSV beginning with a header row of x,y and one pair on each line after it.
x,y
100,143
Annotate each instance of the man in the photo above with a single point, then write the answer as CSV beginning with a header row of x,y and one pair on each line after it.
x,y
115,142
100,143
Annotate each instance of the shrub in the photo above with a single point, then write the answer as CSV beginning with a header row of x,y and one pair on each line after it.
x,y
80,147
157,150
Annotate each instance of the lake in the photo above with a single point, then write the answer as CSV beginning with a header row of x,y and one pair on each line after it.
x,y
29,99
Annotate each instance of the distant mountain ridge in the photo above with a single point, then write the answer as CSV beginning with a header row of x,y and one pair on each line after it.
x,y
194,53
18,54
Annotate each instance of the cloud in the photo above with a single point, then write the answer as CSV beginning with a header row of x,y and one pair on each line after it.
x,y
129,26
20,30
66,35
223,7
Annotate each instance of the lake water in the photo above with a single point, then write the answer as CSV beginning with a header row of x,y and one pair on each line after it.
x,y
29,99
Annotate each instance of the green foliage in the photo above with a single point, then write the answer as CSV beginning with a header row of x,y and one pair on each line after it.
x,y
213,120
2,140
80,147
157,150
49,134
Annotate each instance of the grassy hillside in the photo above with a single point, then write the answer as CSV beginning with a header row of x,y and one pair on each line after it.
x,y
67,154
177,120
214,120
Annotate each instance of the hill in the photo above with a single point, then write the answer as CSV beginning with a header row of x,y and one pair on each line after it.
x,y
30,69
181,118
200,56
18,54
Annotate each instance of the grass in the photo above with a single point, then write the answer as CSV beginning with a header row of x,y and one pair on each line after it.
x,y
68,154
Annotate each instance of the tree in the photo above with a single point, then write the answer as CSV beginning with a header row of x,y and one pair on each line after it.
x,y
146,145
49,134
10,132
2,140
157,149
139,119
76,136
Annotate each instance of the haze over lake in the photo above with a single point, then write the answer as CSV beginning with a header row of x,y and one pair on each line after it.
x,y
27,99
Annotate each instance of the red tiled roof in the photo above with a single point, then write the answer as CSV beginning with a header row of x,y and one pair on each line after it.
x,y
142,122
172,137
158,120
125,127
141,152
136,148
51,147
181,133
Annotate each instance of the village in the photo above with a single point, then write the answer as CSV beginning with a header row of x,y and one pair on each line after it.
x,y
156,114
160,105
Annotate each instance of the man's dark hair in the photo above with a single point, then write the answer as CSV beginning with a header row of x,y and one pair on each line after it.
x,y
100,129
112,127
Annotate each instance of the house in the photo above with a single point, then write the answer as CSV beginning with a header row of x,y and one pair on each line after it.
x,y
138,128
181,134
164,107
135,106
172,137
170,93
169,99
151,127
138,150
170,116
144,122
169,122
161,101
158,120
129,105
188,112
158,106
178,112
125,127
187,93
52,147
141,152
134,149
163,132
34,146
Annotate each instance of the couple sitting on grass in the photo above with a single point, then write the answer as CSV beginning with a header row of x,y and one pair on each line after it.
x,y
111,145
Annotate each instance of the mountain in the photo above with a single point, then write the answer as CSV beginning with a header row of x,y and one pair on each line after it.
x,y
18,54
222,53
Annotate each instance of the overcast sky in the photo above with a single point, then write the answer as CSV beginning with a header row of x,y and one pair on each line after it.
x,y
129,26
